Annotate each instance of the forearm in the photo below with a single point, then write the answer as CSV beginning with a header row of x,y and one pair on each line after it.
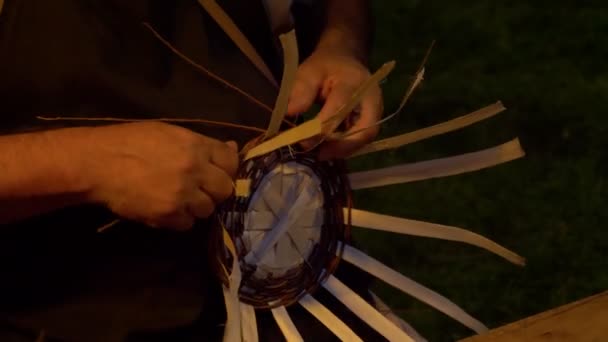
x,y
348,27
41,172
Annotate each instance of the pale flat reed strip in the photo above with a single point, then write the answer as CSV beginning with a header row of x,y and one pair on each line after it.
x,y
290,67
334,121
296,198
365,311
405,284
442,167
242,187
331,321
291,136
428,132
408,93
366,219
386,311
232,330
249,327
232,30
315,127
289,330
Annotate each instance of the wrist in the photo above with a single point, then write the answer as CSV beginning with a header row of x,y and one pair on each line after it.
x,y
343,41
71,151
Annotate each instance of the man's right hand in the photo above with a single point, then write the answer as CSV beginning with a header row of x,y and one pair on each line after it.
x,y
159,174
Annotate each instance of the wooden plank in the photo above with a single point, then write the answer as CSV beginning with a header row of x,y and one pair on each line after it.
x,y
584,320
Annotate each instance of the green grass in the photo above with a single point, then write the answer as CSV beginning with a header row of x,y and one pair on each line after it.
x,y
546,62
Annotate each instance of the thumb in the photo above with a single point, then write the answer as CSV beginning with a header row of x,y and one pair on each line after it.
x,y
338,96
305,90
233,145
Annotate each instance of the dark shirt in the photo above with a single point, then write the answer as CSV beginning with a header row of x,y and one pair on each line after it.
x,y
94,58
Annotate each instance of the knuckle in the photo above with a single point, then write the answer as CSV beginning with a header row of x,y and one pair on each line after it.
x,y
218,187
186,163
227,159
203,208
233,164
184,223
207,210
224,190
372,131
167,208
227,191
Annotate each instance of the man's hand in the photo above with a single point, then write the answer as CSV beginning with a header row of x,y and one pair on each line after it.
x,y
332,76
335,69
159,174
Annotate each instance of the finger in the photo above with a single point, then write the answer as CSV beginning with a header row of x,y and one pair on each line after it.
x,y
339,149
363,130
368,115
225,157
233,145
337,97
180,221
305,90
216,183
200,205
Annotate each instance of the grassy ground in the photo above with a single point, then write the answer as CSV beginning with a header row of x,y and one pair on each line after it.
x,y
547,62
